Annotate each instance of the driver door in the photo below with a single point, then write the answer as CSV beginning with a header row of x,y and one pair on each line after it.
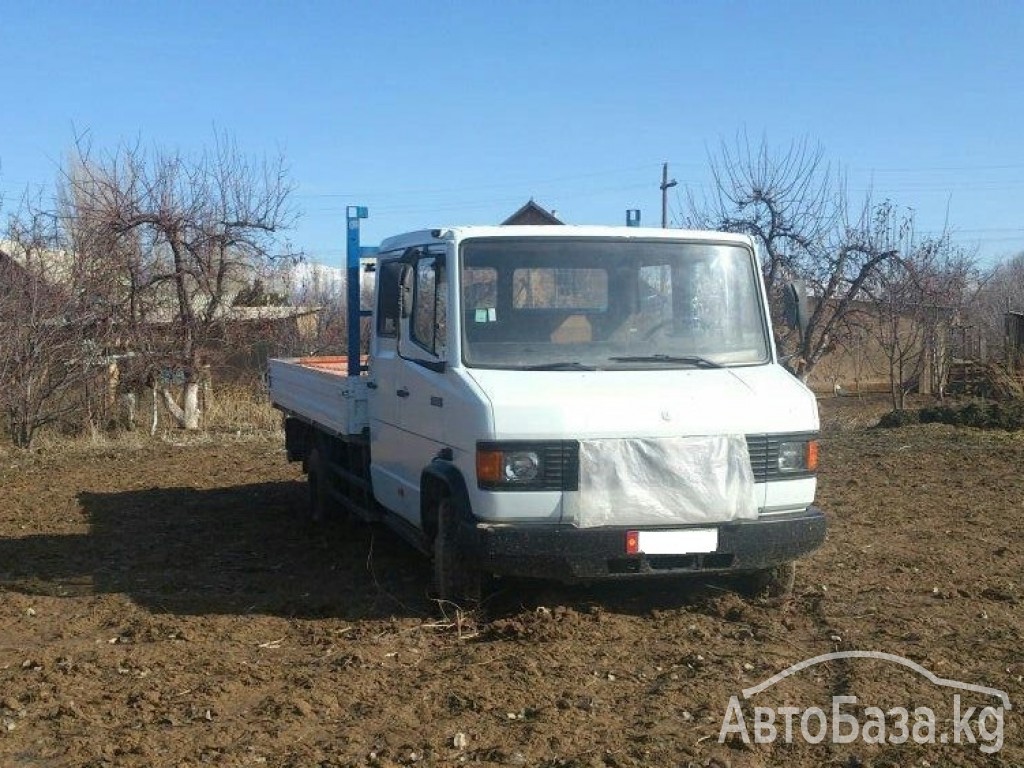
x,y
419,374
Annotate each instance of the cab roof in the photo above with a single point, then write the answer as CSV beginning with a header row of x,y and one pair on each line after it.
x,y
448,234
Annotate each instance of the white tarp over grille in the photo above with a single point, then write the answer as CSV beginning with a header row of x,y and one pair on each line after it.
x,y
662,481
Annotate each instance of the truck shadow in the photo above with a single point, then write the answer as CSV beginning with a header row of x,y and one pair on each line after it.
x,y
235,550
246,550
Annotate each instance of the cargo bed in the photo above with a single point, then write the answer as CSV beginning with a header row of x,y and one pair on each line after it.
x,y
319,391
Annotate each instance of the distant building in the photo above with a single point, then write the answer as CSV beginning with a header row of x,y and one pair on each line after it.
x,y
11,268
30,280
531,213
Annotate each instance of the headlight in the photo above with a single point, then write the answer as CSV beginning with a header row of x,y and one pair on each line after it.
x,y
520,466
798,456
528,465
497,467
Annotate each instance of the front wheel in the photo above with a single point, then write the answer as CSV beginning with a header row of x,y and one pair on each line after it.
x,y
771,584
456,578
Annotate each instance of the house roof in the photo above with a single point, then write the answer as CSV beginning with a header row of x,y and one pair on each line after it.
x,y
531,213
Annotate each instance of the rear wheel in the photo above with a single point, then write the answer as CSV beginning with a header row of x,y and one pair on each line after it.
x,y
316,481
457,579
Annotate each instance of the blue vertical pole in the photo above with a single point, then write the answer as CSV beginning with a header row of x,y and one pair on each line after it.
x,y
353,214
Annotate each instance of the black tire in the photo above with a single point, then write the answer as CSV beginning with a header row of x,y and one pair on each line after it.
x,y
770,584
457,580
317,505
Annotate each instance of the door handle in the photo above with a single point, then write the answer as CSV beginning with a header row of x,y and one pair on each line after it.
x,y
403,392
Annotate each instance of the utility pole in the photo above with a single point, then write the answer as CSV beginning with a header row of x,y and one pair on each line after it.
x,y
665,186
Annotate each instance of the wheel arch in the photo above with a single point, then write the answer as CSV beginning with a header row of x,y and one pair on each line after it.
x,y
439,479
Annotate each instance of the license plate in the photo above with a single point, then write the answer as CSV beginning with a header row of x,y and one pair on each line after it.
x,y
690,542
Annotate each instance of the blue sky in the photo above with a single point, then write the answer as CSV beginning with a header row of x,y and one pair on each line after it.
x,y
436,113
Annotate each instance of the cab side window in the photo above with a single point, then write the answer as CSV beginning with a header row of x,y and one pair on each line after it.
x,y
428,324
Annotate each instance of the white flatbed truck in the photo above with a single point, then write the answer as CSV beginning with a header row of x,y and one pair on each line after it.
x,y
566,402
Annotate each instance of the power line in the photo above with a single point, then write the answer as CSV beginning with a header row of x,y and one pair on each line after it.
x,y
942,169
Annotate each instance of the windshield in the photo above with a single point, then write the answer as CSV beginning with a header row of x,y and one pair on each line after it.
x,y
589,304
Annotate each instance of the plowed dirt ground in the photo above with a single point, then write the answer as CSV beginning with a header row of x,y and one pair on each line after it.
x,y
163,605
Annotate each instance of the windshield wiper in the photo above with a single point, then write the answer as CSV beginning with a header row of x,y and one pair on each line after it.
x,y
561,365
694,360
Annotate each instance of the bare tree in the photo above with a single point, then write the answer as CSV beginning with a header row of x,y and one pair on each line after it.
x,y
52,333
321,290
787,200
950,278
795,206
314,286
186,233
850,358
1000,291
896,302
916,300
856,343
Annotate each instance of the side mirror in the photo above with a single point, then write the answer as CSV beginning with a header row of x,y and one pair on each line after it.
x,y
794,306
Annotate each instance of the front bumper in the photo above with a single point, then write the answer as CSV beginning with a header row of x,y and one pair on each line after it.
x,y
571,554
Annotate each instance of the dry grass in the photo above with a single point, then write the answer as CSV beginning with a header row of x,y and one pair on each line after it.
x,y
232,411
53,443
50,444
241,409
844,414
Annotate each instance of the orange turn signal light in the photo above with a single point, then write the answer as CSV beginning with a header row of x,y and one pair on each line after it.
x,y
812,456
488,466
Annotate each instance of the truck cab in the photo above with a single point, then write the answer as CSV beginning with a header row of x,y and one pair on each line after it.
x,y
581,403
